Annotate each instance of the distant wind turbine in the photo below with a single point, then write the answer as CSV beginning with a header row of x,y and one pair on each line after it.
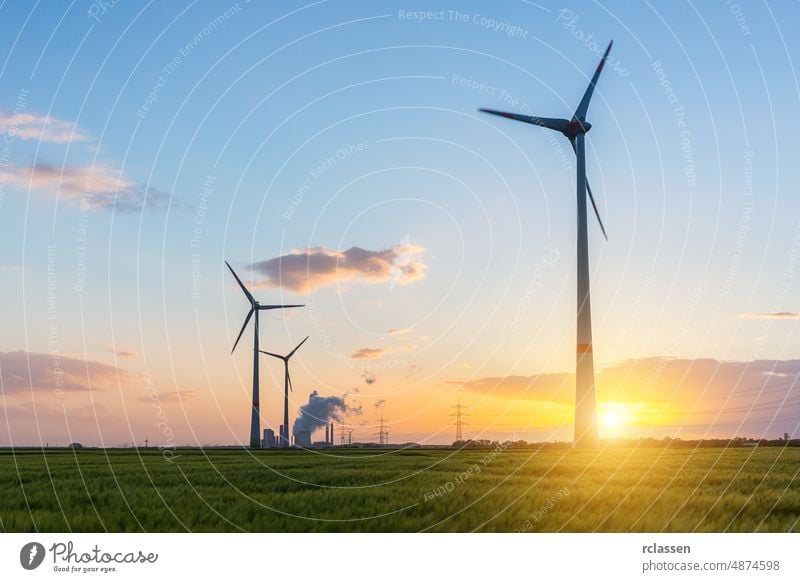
x,y
255,307
574,130
287,385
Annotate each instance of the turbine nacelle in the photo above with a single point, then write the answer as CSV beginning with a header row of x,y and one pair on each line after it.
x,y
576,127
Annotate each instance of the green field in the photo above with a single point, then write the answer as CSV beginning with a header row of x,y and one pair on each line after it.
x,y
616,490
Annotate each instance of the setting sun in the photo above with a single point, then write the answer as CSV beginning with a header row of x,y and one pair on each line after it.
x,y
614,416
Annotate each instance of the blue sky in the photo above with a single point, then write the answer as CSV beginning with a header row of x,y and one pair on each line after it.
x,y
251,99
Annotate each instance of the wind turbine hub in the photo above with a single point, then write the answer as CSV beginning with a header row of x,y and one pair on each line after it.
x,y
576,128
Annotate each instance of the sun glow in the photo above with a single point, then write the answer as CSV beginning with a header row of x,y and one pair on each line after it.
x,y
614,416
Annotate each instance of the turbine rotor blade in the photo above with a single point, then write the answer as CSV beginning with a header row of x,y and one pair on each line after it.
x,y
580,112
290,354
555,124
267,307
246,321
289,379
250,298
591,197
596,212
280,357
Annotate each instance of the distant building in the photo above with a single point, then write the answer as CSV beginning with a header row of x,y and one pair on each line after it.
x,y
786,436
269,439
283,436
303,439
75,446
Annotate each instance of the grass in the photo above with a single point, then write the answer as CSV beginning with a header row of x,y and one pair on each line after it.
x,y
617,490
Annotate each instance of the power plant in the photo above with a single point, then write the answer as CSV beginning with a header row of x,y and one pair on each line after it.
x,y
303,438
268,442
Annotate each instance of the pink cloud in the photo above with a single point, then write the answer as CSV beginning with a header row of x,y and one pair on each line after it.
x,y
92,187
170,397
34,126
23,371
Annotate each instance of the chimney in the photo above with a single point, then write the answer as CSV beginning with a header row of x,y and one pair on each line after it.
x,y
331,434
326,434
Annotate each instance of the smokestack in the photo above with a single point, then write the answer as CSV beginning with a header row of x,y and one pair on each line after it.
x,y
326,434
331,433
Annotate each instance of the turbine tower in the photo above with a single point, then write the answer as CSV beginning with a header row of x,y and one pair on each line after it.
x,y
255,307
287,385
574,130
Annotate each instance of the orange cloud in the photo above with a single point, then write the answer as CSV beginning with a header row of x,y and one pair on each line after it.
x,y
775,315
400,331
654,379
305,270
557,387
369,353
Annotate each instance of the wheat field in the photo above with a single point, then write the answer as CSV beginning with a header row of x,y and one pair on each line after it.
x,y
337,490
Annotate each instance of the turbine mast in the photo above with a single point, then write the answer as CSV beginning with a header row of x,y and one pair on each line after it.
x,y
255,418
585,404
285,443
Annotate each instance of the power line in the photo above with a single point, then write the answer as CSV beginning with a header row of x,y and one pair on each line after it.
x,y
459,422
383,433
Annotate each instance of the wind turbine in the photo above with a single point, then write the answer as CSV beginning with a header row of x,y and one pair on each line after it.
x,y
574,130
287,385
255,307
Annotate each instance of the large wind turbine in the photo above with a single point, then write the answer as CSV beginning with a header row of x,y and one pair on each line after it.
x,y
574,130
287,385
255,307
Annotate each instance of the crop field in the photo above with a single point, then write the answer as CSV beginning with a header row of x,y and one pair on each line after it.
x,y
616,490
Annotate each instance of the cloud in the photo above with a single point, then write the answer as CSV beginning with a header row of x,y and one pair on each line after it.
x,y
545,387
409,347
380,402
368,377
35,126
400,331
655,379
23,371
775,315
369,353
121,353
170,397
97,187
305,270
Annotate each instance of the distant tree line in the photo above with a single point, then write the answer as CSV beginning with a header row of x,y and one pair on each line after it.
x,y
666,442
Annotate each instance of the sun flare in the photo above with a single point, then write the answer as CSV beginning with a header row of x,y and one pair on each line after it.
x,y
614,416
